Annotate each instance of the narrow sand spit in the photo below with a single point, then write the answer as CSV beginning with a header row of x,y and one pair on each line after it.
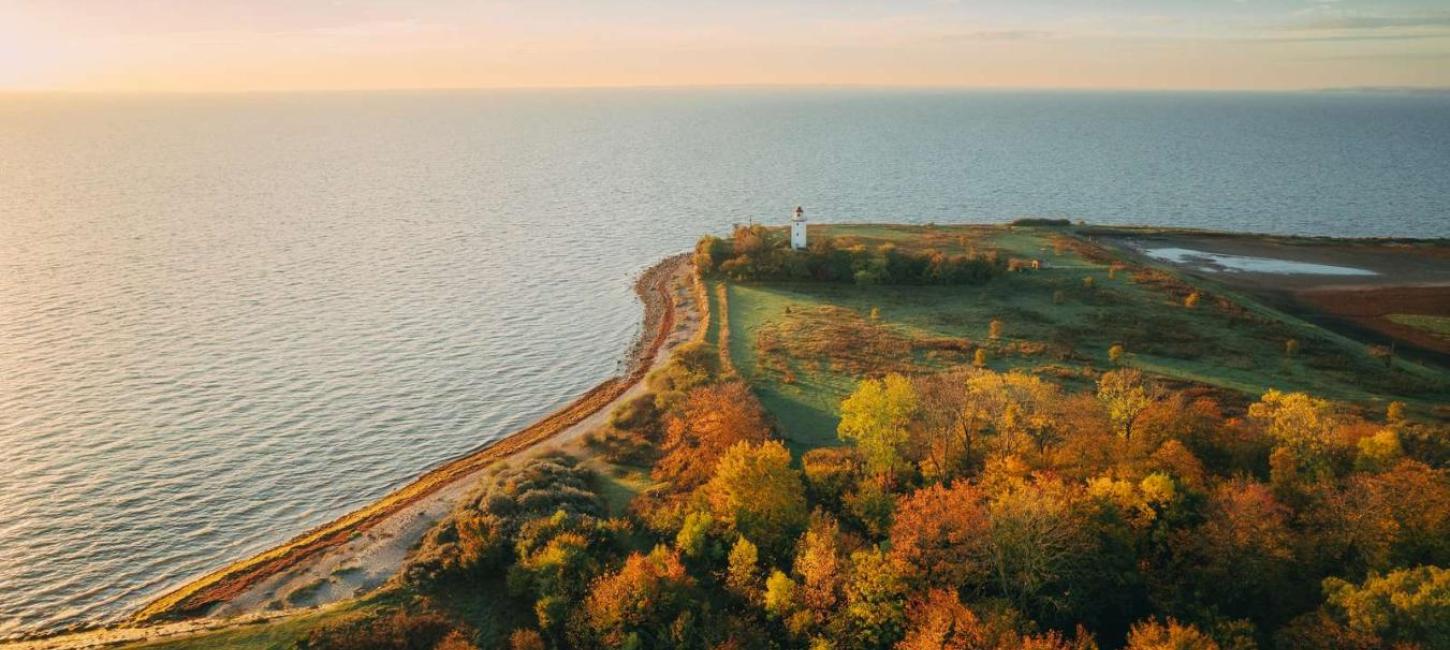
x,y
364,549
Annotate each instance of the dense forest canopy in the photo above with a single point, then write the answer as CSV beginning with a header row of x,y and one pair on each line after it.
x,y
966,509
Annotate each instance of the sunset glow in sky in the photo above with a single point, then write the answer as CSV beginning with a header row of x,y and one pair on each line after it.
x,y
234,45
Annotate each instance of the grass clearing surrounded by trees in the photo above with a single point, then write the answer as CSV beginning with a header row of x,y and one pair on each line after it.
x,y
1055,323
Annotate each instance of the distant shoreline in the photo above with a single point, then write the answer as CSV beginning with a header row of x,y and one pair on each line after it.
x,y
196,596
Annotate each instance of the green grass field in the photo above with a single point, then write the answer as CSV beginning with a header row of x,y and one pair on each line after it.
x,y
1052,324
1437,325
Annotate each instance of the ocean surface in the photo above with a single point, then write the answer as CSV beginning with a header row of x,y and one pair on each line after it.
x,y
227,319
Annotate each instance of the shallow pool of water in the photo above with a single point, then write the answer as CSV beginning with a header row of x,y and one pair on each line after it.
x,y
1220,263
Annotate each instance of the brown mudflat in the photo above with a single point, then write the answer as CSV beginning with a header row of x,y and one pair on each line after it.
x,y
1370,307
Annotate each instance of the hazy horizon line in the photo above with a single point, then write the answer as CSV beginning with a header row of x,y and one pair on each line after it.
x,y
1404,89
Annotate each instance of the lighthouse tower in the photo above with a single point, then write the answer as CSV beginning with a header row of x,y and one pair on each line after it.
x,y
798,230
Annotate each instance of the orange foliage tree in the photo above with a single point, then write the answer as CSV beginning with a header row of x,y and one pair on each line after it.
x,y
711,420
644,603
941,536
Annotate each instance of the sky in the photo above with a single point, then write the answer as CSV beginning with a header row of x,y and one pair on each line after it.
x,y
273,45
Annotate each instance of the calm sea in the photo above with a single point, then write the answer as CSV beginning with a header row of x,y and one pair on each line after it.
x,y
227,319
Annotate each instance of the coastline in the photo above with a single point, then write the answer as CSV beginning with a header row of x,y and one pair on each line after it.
x,y
199,597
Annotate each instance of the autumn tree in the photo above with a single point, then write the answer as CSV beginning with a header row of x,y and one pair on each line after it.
x,y
710,251
1395,413
942,436
1037,540
646,603
1418,499
1301,425
1409,606
693,538
711,420
873,503
781,597
743,577
557,559
1125,396
757,492
875,417
939,621
1379,451
1012,406
1170,635
941,536
875,612
820,565
1245,548
526,639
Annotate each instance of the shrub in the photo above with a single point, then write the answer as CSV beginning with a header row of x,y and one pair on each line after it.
x,y
1040,221
480,533
830,473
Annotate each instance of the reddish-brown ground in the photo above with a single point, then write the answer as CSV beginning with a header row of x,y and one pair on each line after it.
x,y
1369,306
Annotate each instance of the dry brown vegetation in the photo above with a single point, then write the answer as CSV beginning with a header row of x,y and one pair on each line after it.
x,y
842,340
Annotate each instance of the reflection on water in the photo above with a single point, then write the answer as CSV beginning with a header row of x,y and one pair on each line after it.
x,y
227,319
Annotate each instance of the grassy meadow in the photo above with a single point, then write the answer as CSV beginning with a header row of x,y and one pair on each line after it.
x,y
803,345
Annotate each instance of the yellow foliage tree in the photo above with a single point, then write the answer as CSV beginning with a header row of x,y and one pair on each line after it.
x,y
1299,423
875,417
756,491
1125,396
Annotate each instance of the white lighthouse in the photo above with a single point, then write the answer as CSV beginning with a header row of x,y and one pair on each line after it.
x,y
798,230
